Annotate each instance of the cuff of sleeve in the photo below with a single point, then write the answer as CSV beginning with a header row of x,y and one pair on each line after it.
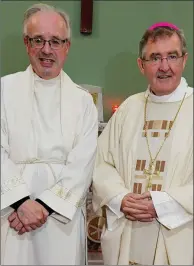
x,y
14,195
50,210
113,212
59,205
17,204
112,220
115,204
170,213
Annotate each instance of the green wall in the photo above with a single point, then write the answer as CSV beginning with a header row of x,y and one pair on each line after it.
x,y
107,58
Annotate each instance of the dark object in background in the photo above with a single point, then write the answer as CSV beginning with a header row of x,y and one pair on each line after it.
x,y
86,17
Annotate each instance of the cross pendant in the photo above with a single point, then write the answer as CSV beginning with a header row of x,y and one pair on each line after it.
x,y
149,174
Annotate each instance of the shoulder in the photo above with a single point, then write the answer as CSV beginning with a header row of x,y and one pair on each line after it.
x,y
138,97
81,88
131,103
76,90
8,82
189,100
11,77
81,91
84,99
83,94
129,108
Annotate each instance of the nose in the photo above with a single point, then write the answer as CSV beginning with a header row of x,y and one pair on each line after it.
x,y
46,48
164,66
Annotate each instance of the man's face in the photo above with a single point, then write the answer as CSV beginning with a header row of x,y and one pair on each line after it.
x,y
163,76
47,62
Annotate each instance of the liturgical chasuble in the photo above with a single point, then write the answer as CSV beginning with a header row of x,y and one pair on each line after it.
x,y
121,166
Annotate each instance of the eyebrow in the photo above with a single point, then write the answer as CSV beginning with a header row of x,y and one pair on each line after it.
x,y
52,37
169,53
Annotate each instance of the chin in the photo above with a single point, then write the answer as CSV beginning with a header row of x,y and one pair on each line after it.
x,y
164,87
163,91
47,73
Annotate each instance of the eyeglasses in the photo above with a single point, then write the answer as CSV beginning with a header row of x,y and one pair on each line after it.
x,y
39,43
157,60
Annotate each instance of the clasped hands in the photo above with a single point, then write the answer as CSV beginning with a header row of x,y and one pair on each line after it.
x,y
29,216
138,207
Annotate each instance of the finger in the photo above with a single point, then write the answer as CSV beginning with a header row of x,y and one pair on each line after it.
x,y
145,195
137,206
131,199
131,211
137,196
14,223
12,216
22,231
23,218
28,228
143,216
39,224
144,202
131,218
45,213
146,220
34,227
19,227
40,219
153,214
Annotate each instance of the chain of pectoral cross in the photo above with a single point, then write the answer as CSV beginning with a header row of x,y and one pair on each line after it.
x,y
150,171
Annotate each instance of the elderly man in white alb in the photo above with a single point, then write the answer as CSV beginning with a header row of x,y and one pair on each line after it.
x,y
143,178
48,146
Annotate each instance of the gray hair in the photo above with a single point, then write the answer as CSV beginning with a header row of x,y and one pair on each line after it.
x,y
160,32
44,7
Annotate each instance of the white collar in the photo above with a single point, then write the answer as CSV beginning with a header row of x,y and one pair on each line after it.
x,y
175,96
46,81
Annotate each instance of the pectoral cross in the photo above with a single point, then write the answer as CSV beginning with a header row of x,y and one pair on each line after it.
x,y
150,173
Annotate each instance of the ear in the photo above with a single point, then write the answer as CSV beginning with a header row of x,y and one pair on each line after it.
x,y
68,44
25,39
140,65
185,60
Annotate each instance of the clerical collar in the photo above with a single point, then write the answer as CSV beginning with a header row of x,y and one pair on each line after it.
x,y
175,96
46,81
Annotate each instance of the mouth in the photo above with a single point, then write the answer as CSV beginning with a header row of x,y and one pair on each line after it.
x,y
46,62
164,77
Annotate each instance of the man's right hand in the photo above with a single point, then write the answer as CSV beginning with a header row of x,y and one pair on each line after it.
x,y
32,215
134,210
15,223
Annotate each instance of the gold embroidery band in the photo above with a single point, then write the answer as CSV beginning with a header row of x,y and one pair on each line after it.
x,y
158,124
156,187
159,166
140,165
137,187
67,194
133,263
155,134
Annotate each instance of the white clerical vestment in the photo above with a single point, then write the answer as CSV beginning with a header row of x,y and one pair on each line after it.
x,y
49,138
120,169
